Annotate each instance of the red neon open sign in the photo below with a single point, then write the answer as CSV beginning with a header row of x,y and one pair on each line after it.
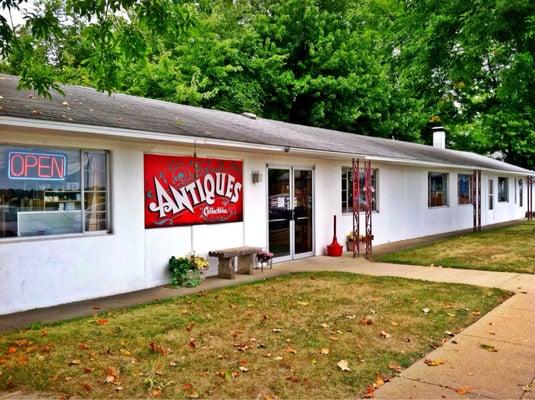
x,y
36,166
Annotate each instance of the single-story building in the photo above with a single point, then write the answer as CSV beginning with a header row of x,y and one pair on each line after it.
x,y
98,191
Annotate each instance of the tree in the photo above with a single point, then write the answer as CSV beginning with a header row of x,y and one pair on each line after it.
x,y
473,63
112,32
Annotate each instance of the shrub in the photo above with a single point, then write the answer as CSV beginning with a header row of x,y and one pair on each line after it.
x,y
187,271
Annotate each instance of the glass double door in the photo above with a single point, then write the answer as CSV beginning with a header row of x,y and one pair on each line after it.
x,y
291,210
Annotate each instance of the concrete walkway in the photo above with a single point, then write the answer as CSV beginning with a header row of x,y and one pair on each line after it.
x,y
469,371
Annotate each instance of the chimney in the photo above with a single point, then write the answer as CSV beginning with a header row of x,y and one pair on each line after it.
x,y
439,137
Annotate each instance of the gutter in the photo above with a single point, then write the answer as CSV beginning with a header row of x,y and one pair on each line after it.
x,y
194,140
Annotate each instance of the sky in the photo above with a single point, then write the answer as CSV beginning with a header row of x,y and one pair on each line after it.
x,y
17,15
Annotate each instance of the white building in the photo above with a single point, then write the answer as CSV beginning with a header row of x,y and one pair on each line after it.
x,y
67,236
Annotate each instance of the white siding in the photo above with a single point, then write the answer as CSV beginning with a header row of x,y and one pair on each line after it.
x,y
46,271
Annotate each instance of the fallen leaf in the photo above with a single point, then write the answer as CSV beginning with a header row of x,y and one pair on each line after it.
x,y
192,344
276,330
189,327
101,321
462,390
278,358
87,386
83,346
433,363
385,334
11,350
351,316
109,379
119,388
303,303
394,367
343,365
193,395
394,323
488,347
450,315
172,364
366,321
156,393
244,369
74,362
369,392
325,351
290,350
88,370
477,312
449,333
324,325
379,381
426,310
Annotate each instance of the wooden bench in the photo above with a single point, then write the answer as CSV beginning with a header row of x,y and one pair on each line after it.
x,y
246,260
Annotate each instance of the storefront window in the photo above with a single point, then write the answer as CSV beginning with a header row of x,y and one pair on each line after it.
x,y
43,191
347,190
438,189
464,187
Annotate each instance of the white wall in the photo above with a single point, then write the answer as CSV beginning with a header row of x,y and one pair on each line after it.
x,y
45,271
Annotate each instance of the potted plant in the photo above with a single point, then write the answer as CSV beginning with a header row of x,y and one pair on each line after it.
x,y
187,271
350,241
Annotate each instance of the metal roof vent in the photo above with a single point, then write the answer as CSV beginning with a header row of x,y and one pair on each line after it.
x,y
248,115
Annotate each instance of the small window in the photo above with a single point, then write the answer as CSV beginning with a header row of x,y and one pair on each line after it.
x,y
52,191
347,190
491,194
464,189
503,190
437,189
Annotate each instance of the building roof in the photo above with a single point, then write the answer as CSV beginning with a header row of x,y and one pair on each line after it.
x,y
86,106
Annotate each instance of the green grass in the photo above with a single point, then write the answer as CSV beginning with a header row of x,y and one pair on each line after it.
x,y
274,329
506,249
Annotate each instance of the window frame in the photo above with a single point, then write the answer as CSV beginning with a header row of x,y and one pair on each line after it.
x,y
506,188
83,232
470,190
349,186
490,192
446,190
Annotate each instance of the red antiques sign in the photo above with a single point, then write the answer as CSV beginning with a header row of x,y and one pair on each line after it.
x,y
190,191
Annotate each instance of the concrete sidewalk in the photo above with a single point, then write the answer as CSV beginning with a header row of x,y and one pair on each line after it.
x,y
467,368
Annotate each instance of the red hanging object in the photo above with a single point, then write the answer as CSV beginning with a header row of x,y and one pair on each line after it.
x,y
334,249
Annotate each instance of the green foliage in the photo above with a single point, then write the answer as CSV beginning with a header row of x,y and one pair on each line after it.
x,y
184,271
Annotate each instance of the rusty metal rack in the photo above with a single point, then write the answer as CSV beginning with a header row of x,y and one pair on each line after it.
x,y
530,198
476,199
367,207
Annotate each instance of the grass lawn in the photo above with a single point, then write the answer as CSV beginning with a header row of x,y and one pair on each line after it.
x,y
509,249
281,337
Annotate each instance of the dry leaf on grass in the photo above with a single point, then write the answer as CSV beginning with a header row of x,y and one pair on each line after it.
x,y
343,365
325,351
366,321
101,321
385,334
290,350
394,367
